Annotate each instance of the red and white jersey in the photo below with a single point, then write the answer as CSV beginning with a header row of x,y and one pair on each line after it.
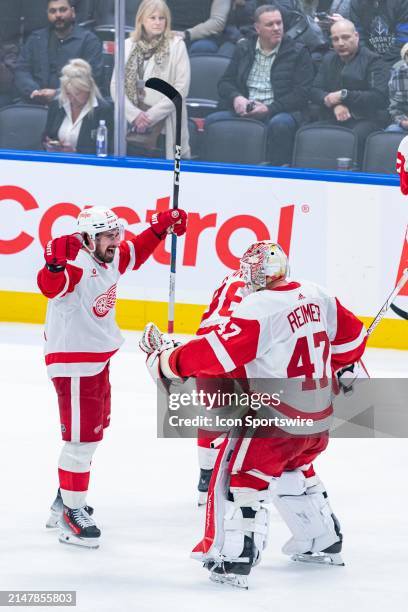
x,y
224,300
81,333
401,166
296,331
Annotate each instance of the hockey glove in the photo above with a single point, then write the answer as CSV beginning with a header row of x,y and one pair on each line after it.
x,y
59,250
349,375
158,347
169,222
154,340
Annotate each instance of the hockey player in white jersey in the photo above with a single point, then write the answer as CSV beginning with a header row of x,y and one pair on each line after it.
x,y
287,330
79,279
225,298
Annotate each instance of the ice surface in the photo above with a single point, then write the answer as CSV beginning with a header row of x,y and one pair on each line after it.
x,y
144,493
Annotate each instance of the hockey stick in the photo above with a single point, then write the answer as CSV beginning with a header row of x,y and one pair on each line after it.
x,y
387,304
168,90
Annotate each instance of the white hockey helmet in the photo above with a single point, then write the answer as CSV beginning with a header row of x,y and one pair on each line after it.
x,y
262,259
98,219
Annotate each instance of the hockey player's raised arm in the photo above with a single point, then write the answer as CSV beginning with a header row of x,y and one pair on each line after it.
x,y
233,344
348,337
133,253
57,277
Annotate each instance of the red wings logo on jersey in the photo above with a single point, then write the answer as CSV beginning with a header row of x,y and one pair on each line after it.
x,y
105,302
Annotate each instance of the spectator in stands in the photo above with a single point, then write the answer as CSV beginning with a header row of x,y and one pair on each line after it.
x,y
8,58
351,87
332,7
73,118
200,23
398,88
240,23
382,25
268,79
48,50
153,50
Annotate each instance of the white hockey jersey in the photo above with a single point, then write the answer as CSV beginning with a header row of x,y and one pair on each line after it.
x,y
224,300
296,331
81,333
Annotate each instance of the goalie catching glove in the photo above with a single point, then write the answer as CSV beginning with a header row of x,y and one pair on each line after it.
x,y
159,348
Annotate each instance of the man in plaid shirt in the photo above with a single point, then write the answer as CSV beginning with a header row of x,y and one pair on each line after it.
x,y
269,80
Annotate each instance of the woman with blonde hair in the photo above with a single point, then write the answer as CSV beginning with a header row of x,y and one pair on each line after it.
x,y
153,51
73,118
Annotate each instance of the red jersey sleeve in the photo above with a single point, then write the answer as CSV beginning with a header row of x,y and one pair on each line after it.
x,y
133,253
349,342
220,351
401,168
58,284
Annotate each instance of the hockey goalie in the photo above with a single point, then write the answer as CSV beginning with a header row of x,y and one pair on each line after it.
x,y
286,330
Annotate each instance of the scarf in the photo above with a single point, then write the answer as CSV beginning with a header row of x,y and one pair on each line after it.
x,y
142,51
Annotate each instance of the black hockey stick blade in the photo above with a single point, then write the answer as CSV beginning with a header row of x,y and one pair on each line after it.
x,y
163,87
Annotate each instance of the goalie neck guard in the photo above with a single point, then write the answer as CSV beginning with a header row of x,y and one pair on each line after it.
x,y
261,260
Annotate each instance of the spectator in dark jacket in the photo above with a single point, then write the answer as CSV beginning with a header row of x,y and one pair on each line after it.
x,y
200,23
73,118
48,50
8,58
382,25
268,79
351,87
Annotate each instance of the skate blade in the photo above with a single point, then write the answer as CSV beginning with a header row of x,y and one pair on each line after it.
x,y
71,538
202,498
322,558
67,536
53,519
234,580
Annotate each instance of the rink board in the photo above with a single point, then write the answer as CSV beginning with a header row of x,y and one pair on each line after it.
x,y
347,232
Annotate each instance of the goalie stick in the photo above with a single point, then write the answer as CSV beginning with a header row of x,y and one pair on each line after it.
x,y
170,92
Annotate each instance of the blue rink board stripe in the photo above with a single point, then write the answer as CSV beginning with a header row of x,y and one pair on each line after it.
x,y
205,168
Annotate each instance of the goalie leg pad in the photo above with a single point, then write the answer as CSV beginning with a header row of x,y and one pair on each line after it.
x,y
245,519
308,515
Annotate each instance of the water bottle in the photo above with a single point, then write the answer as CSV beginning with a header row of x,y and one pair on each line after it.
x,y
102,139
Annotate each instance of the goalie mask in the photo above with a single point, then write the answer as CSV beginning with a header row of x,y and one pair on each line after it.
x,y
97,219
263,259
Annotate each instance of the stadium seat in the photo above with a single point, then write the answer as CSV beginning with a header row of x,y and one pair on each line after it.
x,y
320,146
381,151
240,141
33,15
22,127
10,20
206,71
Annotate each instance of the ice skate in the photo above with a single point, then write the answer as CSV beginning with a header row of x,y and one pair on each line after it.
x,y
225,572
234,573
329,556
78,528
203,484
56,511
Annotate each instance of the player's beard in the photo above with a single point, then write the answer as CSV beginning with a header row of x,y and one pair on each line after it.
x,y
107,256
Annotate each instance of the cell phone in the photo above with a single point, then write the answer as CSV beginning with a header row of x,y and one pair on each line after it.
x,y
54,143
322,16
250,106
